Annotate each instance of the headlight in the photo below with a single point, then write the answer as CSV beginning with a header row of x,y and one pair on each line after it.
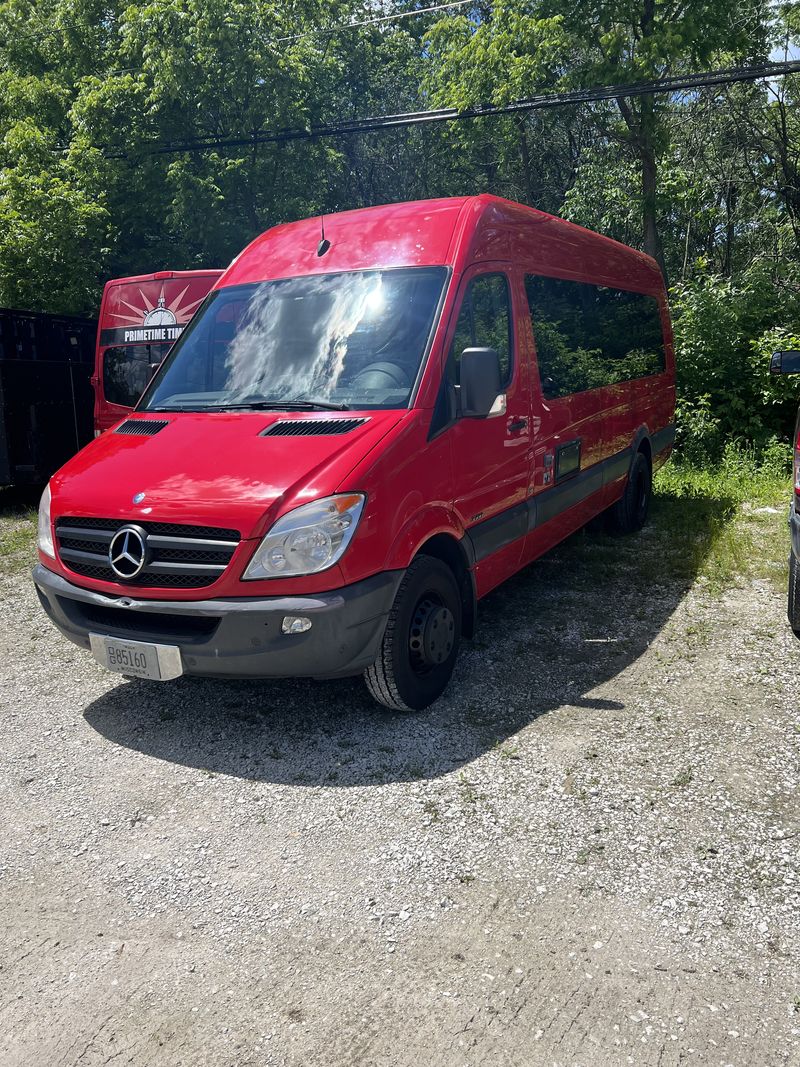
x,y
308,539
45,530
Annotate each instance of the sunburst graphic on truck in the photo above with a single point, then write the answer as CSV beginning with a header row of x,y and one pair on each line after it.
x,y
160,313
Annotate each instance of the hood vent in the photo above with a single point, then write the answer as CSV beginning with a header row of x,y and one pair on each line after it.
x,y
142,427
311,427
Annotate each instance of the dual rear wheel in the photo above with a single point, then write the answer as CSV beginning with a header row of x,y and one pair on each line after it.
x,y
630,512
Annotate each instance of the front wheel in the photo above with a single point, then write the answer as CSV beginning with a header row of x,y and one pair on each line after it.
x,y
420,643
794,593
629,514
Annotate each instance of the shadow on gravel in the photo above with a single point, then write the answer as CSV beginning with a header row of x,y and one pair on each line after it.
x,y
547,638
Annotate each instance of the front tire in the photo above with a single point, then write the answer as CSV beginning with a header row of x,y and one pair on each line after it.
x,y
794,594
629,514
420,643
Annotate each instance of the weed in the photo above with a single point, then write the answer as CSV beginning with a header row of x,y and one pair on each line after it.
x,y
586,854
684,778
469,794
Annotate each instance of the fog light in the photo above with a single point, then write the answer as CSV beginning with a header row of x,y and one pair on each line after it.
x,y
295,624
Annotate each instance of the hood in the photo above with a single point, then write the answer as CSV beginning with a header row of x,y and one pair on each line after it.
x,y
215,468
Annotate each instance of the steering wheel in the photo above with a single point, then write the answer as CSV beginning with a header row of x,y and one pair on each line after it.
x,y
381,376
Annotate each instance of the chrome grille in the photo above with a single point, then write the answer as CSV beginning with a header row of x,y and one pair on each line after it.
x,y
178,557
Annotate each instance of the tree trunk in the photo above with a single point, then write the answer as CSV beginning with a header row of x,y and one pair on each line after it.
x,y
651,239
731,194
525,157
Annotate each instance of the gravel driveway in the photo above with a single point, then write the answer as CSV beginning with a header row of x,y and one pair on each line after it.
x,y
586,853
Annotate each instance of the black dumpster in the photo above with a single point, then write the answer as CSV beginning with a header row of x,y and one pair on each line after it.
x,y
46,398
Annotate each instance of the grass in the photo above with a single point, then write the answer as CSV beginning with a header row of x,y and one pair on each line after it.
x,y
17,534
725,524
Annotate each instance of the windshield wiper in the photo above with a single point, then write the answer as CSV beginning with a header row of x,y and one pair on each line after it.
x,y
258,404
279,405
313,403
174,407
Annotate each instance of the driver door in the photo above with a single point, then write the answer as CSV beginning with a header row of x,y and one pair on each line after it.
x,y
491,456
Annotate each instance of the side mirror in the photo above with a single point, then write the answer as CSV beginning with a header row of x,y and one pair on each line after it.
x,y
785,363
479,380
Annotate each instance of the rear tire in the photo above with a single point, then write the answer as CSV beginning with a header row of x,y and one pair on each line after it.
x,y
794,594
629,514
420,643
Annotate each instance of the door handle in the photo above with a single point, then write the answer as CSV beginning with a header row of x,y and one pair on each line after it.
x,y
517,424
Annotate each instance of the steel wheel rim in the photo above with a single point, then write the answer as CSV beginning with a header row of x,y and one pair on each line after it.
x,y
431,635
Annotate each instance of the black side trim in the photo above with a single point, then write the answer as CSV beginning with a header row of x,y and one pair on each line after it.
x,y
500,530
495,533
617,466
553,501
663,439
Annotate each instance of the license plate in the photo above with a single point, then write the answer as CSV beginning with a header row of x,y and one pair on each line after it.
x,y
137,659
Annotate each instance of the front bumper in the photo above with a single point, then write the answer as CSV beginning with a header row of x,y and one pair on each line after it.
x,y
235,637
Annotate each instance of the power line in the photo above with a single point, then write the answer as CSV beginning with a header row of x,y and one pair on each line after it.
x,y
331,31
674,84
371,22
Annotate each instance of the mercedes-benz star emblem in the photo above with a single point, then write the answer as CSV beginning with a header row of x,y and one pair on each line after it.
x,y
127,552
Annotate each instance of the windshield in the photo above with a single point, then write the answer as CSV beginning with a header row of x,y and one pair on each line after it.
x,y
349,340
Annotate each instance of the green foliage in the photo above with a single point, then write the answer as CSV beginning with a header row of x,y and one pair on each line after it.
x,y
725,331
742,474
707,181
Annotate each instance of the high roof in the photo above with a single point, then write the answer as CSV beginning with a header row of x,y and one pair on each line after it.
x,y
452,232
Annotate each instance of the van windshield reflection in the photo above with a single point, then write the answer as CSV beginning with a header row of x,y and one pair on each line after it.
x,y
330,341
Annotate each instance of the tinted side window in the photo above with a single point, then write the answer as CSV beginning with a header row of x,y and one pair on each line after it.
x,y
589,336
127,369
484,321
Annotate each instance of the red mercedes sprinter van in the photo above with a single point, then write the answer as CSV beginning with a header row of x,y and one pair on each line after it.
x,y
356,439
140,319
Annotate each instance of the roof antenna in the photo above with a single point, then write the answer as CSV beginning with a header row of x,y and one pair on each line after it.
x,y
324,244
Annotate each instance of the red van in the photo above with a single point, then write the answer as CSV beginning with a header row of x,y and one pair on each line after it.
x,y
359,436
140,319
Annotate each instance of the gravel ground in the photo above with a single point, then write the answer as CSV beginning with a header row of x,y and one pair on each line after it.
x,y
584,854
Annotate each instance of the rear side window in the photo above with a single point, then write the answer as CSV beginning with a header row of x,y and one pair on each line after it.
x,y
127,369
484,321
589,336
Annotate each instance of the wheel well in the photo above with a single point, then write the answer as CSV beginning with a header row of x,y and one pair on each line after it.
x,y
447,549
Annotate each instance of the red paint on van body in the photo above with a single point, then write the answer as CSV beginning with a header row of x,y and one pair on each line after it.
x,y
170,297
216,469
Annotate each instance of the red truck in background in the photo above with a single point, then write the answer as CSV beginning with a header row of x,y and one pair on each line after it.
x,y
140,318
